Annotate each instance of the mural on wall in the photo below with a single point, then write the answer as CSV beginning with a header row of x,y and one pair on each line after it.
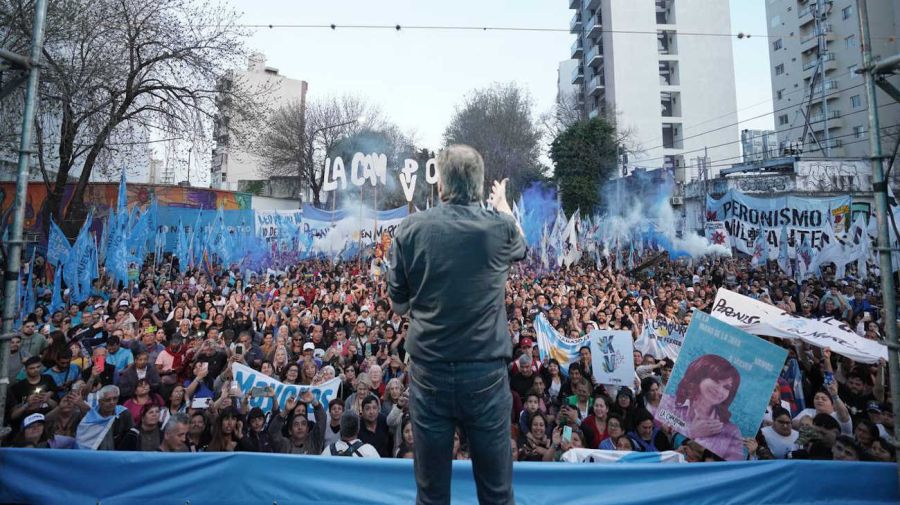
x,y
102,196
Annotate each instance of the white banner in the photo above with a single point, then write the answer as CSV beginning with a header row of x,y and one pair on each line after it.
x,y
661,339
247,378
804,218
611,357
604,456
762,319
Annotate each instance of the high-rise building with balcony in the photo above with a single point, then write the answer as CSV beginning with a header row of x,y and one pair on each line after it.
x,y
642,61
818,97
231,161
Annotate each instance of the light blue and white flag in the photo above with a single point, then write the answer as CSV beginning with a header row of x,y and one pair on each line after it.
x,y
760,249
606,456
552,344
784,261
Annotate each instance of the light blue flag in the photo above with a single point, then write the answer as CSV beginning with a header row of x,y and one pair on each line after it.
x,y
760,249
552,344
73,264
58,247
56,302
784,261
137,238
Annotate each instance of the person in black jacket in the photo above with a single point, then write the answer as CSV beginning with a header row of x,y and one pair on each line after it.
x,y
257,438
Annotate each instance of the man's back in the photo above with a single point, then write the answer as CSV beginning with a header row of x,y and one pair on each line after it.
x,y
450,264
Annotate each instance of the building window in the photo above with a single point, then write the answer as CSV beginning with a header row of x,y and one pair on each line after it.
x,y
852,71
776,45
855,101
782,120
776,20
779,94
850,41
858,131
779,69
846,12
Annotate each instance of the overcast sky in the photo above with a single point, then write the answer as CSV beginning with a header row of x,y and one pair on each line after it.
x,y
418,76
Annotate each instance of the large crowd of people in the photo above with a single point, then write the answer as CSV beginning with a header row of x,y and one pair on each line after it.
x,y
147,367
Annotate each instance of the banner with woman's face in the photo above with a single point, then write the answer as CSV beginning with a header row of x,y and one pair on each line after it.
x,y
720,386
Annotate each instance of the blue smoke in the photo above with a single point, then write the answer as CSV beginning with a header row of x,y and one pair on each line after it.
x,y
540,207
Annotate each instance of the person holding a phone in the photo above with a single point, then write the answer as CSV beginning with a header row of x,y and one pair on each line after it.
x,y
32,395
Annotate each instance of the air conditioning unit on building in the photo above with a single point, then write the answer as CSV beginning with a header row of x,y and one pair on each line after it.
x,y
676,200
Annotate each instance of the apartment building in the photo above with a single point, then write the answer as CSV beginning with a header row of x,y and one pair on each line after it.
x,y
819,98
642,61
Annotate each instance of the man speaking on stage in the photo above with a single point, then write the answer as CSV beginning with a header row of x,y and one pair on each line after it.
x,y
448,271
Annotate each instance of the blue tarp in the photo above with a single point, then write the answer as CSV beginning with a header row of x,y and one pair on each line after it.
x,y
112,478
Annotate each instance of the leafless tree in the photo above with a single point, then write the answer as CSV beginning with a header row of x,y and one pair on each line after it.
x,y
296,142
498,122
115,65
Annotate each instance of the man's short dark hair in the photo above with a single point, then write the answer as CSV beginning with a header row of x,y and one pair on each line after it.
x,y
369,399
32,361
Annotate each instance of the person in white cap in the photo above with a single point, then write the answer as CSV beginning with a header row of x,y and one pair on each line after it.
x,y
33,434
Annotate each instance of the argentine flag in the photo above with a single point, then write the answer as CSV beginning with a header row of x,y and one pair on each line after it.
x,y
552,344
604,456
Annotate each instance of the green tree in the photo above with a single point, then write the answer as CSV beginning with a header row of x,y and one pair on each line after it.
x,y
499,123
585,156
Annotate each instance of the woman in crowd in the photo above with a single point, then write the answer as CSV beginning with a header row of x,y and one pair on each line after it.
x,y
142,396
392,394
177,403
307,372
227,432
280,360
149,429
554,380
651,393
34,433
291,374
535,444
615,428
594,426
406,445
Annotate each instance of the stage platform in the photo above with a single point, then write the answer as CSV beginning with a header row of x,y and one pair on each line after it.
x,y
114,478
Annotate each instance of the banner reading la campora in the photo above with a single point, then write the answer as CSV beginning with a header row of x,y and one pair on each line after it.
x,y
720,386
761,318
552,344
247,378
611,357
661,339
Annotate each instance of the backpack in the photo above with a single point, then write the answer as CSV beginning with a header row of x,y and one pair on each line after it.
x,y
353,449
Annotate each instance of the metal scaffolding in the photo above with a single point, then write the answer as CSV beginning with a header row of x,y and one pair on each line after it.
x,y
31,68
